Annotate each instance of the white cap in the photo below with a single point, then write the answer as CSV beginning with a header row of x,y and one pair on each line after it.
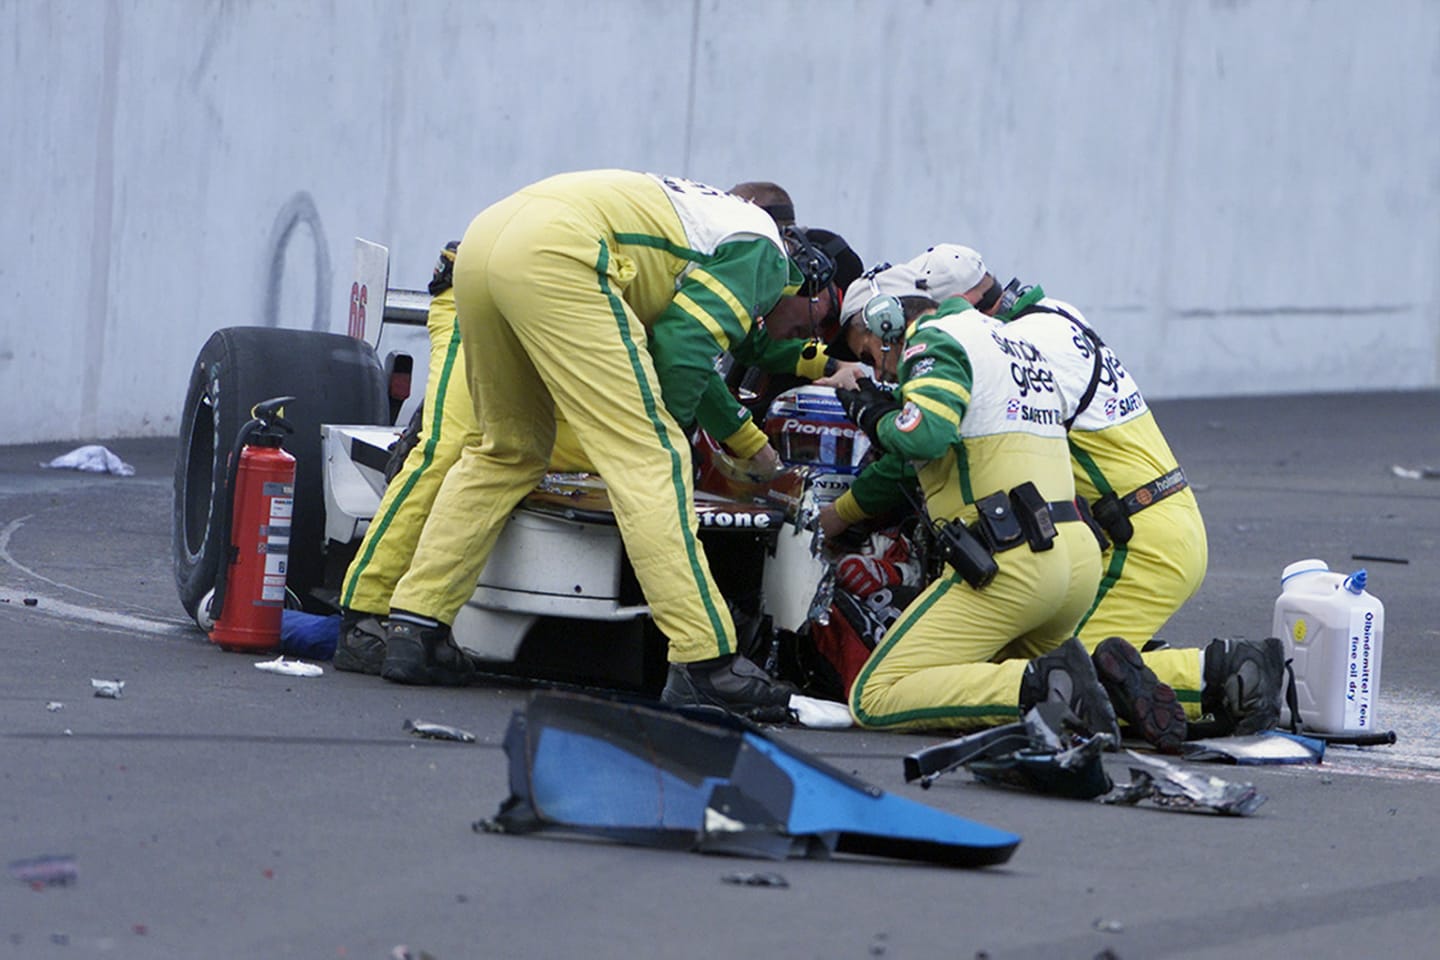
x,y
947,270
896,281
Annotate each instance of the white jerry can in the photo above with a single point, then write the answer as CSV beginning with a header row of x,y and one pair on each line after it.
x,y
1333,631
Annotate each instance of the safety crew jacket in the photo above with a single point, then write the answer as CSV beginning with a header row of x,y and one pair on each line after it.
x,y
1115,443
981,413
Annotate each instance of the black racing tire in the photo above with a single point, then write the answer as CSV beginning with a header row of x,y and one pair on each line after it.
x,y
334,378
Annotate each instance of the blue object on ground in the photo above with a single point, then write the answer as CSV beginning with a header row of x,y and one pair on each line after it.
x,y
695,780
309,635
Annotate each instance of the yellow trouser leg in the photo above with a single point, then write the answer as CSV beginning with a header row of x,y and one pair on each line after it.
x,y
389,543
954,659
545,329
597,366
1183,669
1146,581
499,464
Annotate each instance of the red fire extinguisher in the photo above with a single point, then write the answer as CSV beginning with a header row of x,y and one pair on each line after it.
x,y
260,482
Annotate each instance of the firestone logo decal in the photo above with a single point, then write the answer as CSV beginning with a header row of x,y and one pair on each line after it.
x,y
722,519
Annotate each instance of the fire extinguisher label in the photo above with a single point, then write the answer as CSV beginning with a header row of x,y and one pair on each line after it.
x,y
273,593
275,534
275,564
281,507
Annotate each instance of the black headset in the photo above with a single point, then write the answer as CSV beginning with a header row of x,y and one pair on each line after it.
x,y
816,262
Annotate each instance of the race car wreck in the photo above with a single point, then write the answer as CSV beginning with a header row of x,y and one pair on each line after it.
x,y
559,600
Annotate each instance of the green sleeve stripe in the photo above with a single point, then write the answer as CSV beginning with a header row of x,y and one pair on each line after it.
x,y
940,408
942,388
724,294
686,303
718,309
950,358
677,473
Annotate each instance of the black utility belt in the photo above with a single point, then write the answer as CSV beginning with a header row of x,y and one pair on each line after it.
x,y
1008,520
1113,512
1005,520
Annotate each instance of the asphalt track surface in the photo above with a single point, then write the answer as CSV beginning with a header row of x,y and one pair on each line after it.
x,y
215,810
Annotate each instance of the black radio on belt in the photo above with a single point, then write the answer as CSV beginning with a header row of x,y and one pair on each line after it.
x,y
964,551
1033,512
1003,521
1109,511
1113,512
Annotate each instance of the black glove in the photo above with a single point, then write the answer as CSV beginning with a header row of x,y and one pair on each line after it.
x,y
444,276
866,406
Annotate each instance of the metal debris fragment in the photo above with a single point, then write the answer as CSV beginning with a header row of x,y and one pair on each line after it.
x,y
438,731
756,879
1048,752
109,689
1167,785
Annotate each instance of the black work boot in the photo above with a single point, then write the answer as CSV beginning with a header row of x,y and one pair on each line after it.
x,y
1243,682
361,648
425,656
1138,696
1067,675
731,682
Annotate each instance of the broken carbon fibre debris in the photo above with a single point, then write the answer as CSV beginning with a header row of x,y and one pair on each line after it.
x,y
438,731
1048,752
1168,786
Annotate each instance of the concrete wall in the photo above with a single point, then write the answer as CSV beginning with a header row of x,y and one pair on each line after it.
x,y
1242,195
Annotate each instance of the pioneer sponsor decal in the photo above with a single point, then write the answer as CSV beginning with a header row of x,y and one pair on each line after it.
x,y
819,429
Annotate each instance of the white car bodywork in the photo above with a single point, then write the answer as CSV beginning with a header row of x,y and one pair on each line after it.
x,y
566,520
